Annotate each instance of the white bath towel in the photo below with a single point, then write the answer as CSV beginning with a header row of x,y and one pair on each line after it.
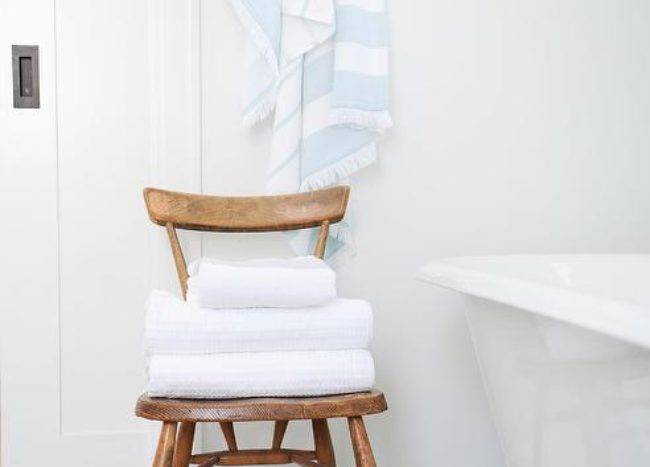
x,y
287,283
175,327
231,375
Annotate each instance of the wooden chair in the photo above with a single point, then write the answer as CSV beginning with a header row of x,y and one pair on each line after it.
x,y
174,210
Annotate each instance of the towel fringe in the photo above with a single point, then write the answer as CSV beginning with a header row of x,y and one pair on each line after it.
x,y
343,234
261,111
341,169
374,120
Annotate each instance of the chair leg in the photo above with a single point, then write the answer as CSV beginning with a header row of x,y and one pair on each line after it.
x,y
362,450
184,443
166,442
228,430
279,430
323,443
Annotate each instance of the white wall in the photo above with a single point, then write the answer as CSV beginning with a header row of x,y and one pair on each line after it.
x,y
521,126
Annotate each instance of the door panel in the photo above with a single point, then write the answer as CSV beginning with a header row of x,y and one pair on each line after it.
x,y
120,110
28,202
103,127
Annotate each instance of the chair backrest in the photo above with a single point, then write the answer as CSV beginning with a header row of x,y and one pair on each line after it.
x,y
244,214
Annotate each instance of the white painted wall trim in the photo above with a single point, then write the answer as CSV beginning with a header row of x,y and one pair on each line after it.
x,y
175,96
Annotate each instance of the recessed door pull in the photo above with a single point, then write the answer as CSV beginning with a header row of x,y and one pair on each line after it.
x,y
25,75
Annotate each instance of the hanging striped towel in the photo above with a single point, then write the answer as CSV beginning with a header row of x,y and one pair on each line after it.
x,y
322,66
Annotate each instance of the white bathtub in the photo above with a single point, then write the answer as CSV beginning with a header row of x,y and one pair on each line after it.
x,y
563,343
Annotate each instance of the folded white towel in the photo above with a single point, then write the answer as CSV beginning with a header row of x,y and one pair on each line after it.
x,y
295,282
232,375
175,327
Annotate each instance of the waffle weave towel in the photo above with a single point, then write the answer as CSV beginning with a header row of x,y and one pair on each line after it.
x,y
175,327
260,374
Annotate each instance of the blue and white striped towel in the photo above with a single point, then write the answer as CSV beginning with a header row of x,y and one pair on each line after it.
x,y
322,65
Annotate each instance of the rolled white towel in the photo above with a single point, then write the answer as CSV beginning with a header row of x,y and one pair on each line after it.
x,y
260,374
175,327
286,283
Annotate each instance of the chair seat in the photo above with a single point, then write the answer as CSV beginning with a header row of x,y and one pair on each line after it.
x,y
260,409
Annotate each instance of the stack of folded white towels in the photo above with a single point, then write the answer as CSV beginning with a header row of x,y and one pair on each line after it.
x,y
258,328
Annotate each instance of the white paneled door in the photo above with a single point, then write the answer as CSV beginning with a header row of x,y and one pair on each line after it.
x,y
77,254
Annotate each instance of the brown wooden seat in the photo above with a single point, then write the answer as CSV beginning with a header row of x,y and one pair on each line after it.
x,y
260,409
179,416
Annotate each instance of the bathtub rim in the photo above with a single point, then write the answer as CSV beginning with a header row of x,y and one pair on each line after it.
x,y
615,318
